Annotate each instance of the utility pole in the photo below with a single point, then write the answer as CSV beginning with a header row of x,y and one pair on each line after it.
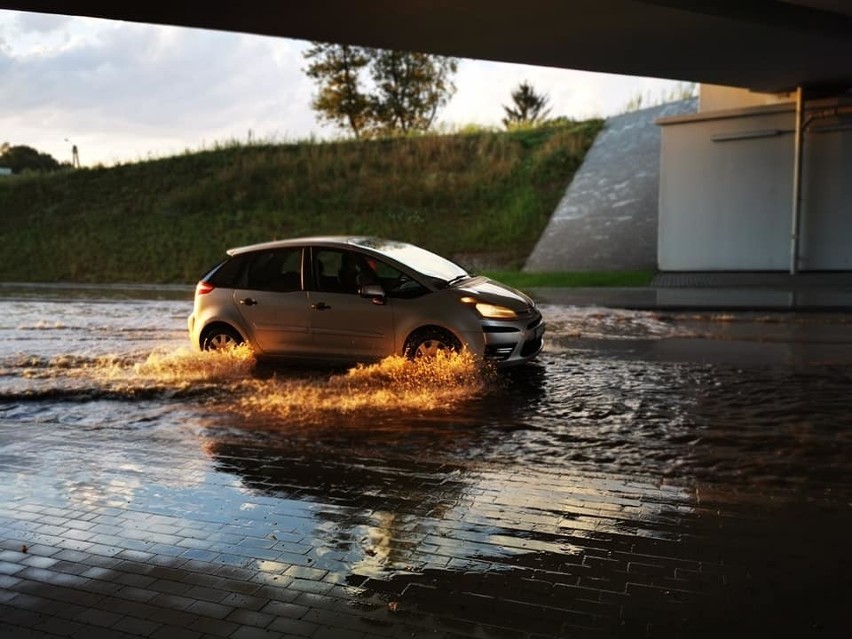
x,y
75,156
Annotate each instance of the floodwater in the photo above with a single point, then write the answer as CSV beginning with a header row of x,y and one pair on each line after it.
x,y
679,437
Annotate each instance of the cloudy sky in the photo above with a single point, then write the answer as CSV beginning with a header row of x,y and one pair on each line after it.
x,y
123,92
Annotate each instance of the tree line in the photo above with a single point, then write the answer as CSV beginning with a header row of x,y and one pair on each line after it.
x,y
380,93
20,158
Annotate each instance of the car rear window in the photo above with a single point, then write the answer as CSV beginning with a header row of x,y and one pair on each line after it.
x,y
227,275
276,270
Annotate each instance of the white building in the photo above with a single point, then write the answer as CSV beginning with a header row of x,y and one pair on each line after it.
x,y
729,179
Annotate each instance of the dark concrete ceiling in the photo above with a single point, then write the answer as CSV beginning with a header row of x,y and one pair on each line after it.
x,y
769,45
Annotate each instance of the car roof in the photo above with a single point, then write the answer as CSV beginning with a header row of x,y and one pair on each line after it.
x,y
320,240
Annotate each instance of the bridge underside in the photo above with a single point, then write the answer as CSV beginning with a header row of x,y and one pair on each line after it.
x,y
764,45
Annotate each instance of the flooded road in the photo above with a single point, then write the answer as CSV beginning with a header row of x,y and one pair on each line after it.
x,y
652,474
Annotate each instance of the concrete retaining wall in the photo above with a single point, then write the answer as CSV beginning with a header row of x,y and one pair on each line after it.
x,y
607,219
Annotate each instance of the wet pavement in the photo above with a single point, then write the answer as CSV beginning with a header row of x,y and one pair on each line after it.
x,y
655,474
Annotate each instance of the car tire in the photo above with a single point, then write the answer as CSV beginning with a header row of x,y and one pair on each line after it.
x,y
219,338
426,342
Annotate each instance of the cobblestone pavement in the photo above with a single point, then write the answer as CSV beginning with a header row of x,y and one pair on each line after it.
x,y
608,491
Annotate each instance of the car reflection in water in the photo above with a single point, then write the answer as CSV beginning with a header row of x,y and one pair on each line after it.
x,y
488,515
414,511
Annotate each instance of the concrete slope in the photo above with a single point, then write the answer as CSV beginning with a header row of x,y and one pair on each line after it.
x,y
607,219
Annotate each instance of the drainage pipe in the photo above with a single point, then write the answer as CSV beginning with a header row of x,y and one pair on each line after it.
x,y
798,146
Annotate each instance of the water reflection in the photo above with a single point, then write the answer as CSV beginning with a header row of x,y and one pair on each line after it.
x,y
431,494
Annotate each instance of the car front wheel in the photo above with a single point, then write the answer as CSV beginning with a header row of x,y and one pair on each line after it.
x,y
428,342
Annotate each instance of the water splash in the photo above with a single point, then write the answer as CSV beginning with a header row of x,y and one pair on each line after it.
x,y
394,384
233,382
183,365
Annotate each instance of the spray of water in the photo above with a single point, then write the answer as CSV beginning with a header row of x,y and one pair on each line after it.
x,y
183,366
393,384
231,379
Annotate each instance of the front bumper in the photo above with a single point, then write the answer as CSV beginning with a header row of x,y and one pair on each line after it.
x,y
515,342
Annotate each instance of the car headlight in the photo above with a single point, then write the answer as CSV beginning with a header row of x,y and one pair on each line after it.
x,y
491,311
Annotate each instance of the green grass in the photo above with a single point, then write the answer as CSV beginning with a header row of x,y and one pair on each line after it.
x,y
573,280
485,195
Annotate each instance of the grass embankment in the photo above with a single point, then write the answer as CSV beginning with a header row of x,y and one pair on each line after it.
x,y
482,198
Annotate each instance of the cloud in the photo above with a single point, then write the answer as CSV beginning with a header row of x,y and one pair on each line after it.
x,y
40,23
144,89
484,87
124,91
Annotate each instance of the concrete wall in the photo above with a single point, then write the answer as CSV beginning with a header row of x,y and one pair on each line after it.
x,y
826,231
726,191
607,219
725,199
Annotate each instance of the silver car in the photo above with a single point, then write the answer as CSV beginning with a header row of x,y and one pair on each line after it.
x,y
357,299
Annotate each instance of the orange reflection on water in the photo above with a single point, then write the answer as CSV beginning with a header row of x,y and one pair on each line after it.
x,y
395,383
392,384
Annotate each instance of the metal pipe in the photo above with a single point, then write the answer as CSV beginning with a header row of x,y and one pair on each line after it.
x,y
797,181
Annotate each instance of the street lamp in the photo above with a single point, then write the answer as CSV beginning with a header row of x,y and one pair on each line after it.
x,y
75,157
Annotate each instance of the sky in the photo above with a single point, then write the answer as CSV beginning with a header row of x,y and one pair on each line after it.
x,y
123,92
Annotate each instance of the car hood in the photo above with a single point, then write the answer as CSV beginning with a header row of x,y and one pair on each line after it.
x,y
494,292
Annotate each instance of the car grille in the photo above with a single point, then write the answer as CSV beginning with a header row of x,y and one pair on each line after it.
x,y
499,352
500,329
531,347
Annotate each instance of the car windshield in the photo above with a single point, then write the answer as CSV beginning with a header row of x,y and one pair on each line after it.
x,y
421,260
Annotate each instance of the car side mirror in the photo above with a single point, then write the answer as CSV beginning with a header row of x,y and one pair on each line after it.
x,y
375,292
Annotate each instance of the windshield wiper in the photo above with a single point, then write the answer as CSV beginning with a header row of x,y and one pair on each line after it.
x,y
457,279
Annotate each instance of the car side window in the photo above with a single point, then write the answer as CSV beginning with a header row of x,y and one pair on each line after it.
x,y
278,270
395,282
339,271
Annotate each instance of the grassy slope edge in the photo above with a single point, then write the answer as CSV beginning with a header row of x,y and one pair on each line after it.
x,y
482,198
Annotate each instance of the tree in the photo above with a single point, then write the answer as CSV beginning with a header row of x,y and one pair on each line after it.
x,y
528,107
337,69
410,88
375,92
25,158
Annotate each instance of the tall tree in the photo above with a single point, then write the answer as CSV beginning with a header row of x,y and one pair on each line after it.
x,y
375,92
410,88
528,107
23,158
337,69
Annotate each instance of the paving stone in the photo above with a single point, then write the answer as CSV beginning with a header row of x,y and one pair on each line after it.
x,y
250,618
293,627
97,617
210,609
214,626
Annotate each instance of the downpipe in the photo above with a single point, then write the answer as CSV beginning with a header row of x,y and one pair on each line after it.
x,y
797,182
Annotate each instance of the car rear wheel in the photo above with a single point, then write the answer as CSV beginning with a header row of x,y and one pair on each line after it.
x,y
427,342
220,338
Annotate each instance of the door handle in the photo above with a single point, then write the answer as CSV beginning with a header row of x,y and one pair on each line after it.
x,y
320,306
248,301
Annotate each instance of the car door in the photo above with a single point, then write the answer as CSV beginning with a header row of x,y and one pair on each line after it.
x,y
345,325
274,304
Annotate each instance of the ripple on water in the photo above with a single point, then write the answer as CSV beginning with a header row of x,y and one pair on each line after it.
x,y
684,421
